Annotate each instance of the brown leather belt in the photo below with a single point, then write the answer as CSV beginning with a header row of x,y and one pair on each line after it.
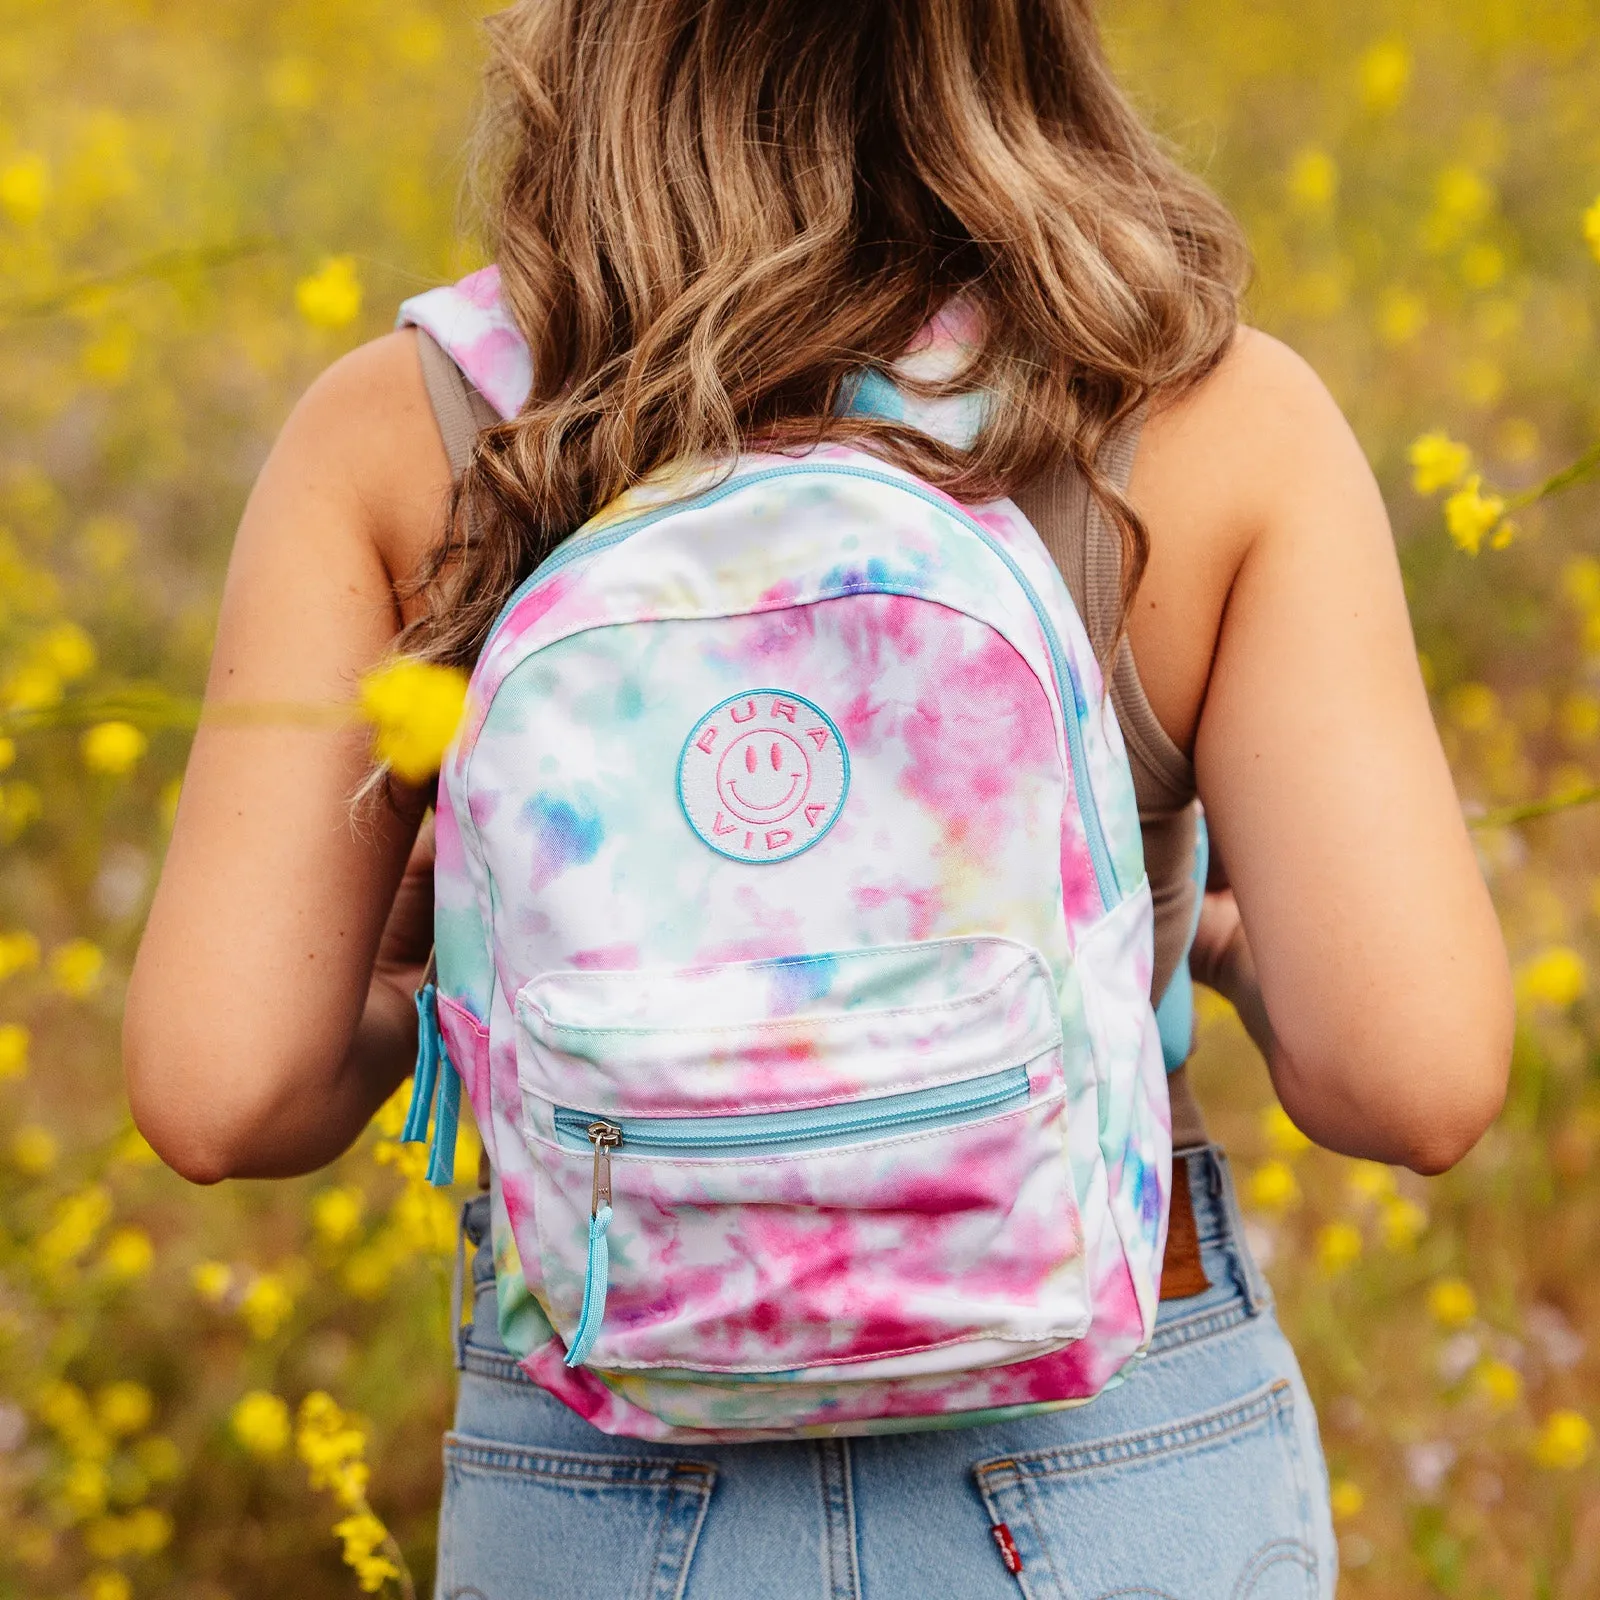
x,y
1182,1275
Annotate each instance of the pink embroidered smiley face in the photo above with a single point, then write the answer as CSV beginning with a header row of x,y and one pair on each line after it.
x,y
763,776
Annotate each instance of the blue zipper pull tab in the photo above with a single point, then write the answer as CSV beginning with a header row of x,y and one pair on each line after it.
x,y
605,1137
425,1074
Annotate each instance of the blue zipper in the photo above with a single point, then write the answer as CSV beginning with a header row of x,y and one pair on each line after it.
x,y
1105,872
765,1133
757,1134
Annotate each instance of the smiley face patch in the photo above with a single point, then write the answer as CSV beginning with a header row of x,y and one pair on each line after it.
x,y
763,775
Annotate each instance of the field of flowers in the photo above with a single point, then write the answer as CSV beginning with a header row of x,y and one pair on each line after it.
x,y
239,1392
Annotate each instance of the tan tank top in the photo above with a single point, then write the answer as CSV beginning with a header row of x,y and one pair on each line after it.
x,y
1087,549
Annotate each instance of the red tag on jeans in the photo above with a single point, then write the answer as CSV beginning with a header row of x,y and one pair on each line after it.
x,y
1008,1547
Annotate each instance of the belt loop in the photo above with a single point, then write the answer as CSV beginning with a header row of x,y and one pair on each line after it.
x,y
1253,1286
458,1342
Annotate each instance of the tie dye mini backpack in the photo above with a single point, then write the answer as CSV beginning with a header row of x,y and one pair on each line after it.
x,y
794,948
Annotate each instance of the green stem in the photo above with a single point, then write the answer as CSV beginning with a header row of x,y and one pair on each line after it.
x,y
1508,816
1584,467
162,264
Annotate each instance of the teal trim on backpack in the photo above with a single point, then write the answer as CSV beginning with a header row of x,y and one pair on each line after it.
x,y
436,1089
1175,1013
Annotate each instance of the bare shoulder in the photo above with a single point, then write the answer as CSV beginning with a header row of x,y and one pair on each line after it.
x,y
364,434
1258,433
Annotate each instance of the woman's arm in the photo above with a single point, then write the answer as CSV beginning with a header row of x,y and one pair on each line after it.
x,y
1374,970
256,1041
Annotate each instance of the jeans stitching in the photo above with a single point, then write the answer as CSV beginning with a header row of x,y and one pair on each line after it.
x,y
576,1469
1273,1553
840,1571
1199,1325
1263,1405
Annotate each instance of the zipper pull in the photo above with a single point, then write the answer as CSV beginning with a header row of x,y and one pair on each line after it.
x,y
605,1137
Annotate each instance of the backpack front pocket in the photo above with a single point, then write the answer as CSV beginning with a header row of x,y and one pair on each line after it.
x,y
858,1168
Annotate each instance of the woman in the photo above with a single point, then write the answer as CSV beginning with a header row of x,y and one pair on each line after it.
x,y
713,217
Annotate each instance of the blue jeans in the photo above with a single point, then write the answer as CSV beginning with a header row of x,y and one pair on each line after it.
x,y
1200,1477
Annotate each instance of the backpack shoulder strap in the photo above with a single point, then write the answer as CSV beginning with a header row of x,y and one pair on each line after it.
x,y
460,410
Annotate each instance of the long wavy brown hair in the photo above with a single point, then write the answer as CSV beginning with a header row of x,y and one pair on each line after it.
x,y
711,215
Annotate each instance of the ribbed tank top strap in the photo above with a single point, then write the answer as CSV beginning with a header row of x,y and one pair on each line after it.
x,y
1087,547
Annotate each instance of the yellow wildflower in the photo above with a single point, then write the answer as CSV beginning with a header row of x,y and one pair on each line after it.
x,y
107,1584
1451,1303
1591,228
134,1149
418,40
1282,1136
77,967
260,1422
1313,179
266,1305
331,296
1556,977
113,748
8,752
158,1458
332,1445
1462,195
425,1219
1402,315
415,708
1402,1222
1565,1441
144,1532
124,1408
14,1040
19,952
211,1280
1470,514
291,83
1346,1498
336,1213
390,1117
1473,707
1273,1187
128,1254
69,651
77,1223
1483,265
1438,462
1385,74
83,1489
1579,717
167,805
364,1535
24,186
409,1160
33,1150
1338,1247
366,1274
64,1408
1370,1180
1498,1382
